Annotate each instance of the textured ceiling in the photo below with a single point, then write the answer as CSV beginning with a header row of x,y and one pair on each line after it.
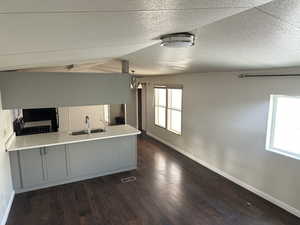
x,y
231,34
30,6
259,38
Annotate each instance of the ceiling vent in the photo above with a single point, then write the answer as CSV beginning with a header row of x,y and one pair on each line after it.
x,y
178,40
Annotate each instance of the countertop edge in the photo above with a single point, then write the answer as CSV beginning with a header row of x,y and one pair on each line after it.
x,y
72,142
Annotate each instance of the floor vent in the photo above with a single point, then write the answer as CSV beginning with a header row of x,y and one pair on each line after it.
x,y
128,179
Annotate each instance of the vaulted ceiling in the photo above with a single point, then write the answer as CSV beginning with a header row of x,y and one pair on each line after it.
x,y
230,34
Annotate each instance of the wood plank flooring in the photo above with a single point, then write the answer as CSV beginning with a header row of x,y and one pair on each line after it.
x,y
170,190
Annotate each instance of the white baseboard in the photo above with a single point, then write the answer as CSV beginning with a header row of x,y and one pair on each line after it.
x,y
260,193
7,210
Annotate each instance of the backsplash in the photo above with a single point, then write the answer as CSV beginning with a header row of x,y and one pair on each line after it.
x,y
72,118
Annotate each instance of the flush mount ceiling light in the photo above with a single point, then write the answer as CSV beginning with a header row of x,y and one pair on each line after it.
x,y
177,40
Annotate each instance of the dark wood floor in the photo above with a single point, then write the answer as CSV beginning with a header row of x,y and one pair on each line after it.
x,y
170,190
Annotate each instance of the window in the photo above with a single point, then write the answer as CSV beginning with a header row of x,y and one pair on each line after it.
x,y
283,134
174,110
160,106
168,108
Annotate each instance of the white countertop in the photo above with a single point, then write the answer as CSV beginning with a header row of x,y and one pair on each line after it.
x,y
60,138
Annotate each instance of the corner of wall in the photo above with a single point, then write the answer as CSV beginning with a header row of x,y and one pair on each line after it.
x,y
7,193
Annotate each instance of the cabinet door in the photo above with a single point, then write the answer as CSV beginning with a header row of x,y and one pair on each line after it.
x,y
32,167
128,152
56,163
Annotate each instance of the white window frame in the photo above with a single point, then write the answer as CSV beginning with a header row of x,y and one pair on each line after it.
x,y
160,106
271,128
167,108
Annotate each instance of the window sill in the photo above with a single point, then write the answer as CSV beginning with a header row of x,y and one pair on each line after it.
x,y
174,132
160,126
281,152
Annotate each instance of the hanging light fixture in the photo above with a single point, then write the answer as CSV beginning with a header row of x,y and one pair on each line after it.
x,y
140,86
133,84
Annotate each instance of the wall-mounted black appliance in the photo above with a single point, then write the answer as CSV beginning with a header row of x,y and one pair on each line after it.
x,y
35,121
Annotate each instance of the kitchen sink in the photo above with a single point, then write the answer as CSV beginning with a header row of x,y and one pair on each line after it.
x,y
82,132
97,130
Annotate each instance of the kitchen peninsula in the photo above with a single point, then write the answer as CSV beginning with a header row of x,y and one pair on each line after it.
x,y
49,159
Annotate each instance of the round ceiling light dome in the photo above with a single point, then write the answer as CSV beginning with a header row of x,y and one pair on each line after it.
x,y
178,40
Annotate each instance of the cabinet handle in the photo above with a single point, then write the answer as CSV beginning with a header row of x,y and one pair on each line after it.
x,y
45,151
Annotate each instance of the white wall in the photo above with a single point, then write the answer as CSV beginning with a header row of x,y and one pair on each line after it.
x,y
224,126
6,189
131,114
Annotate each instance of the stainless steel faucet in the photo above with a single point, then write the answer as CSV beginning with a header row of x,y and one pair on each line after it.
x,y
87,124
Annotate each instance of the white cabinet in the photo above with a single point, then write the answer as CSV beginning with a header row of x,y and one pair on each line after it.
x,y
55,163
127,153
48,166
102,157
94,157
31,167
39,167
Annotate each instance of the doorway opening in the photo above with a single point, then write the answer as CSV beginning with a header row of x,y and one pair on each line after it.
x,y
142,109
